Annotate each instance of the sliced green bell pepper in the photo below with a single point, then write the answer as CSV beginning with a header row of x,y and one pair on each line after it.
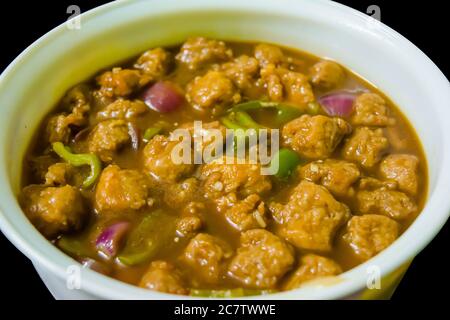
x,y
286,160
150,133
74,246
153,233
78,160
285,113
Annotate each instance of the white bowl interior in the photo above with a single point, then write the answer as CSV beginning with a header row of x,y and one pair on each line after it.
x,y
31,87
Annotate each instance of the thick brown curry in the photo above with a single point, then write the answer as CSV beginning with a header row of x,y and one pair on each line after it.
x,y
99,181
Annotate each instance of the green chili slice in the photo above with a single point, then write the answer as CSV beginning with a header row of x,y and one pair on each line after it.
x,y
132,259
74,246
255,104
285,113
151,132
240,120
153,233
244,118
78,160
286,160
231,124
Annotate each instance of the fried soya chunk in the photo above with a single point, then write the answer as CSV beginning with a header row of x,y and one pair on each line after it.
x,y
198,51
314,137
371,110
368,235
338,176
154,63
369,183
261,260
57,129
326,74
77,101
311,217
391,203
243,71
311,267
54,210
207,254
191,221
121,82
58,174
123,109
61,173
245,214
225,175
59,126
297,88
121,189
211,135
179,194
313,229
272,82
402,168
194,208
268,54
282,84
108,137
77,98
164,277
213,89
399,140
160,165
365,146
188,226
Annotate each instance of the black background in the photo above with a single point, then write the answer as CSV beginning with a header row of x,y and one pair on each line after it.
x,y
424,23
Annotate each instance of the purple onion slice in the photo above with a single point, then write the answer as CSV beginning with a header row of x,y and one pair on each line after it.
x,y
163,97
339,104
109,240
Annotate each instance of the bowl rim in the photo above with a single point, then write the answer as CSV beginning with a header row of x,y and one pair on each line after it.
x,y
401,252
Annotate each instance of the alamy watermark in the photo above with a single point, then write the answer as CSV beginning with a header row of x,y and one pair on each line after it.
x,y
373,281
73,279
373,20
237,146
74,20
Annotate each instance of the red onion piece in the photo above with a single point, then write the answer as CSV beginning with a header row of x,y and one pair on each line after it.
x,y
162,97
108,241
338,104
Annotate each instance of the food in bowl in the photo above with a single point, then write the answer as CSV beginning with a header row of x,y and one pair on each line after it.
x,y
100,181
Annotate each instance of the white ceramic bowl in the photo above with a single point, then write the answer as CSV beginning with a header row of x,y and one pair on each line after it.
x,y
32,84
